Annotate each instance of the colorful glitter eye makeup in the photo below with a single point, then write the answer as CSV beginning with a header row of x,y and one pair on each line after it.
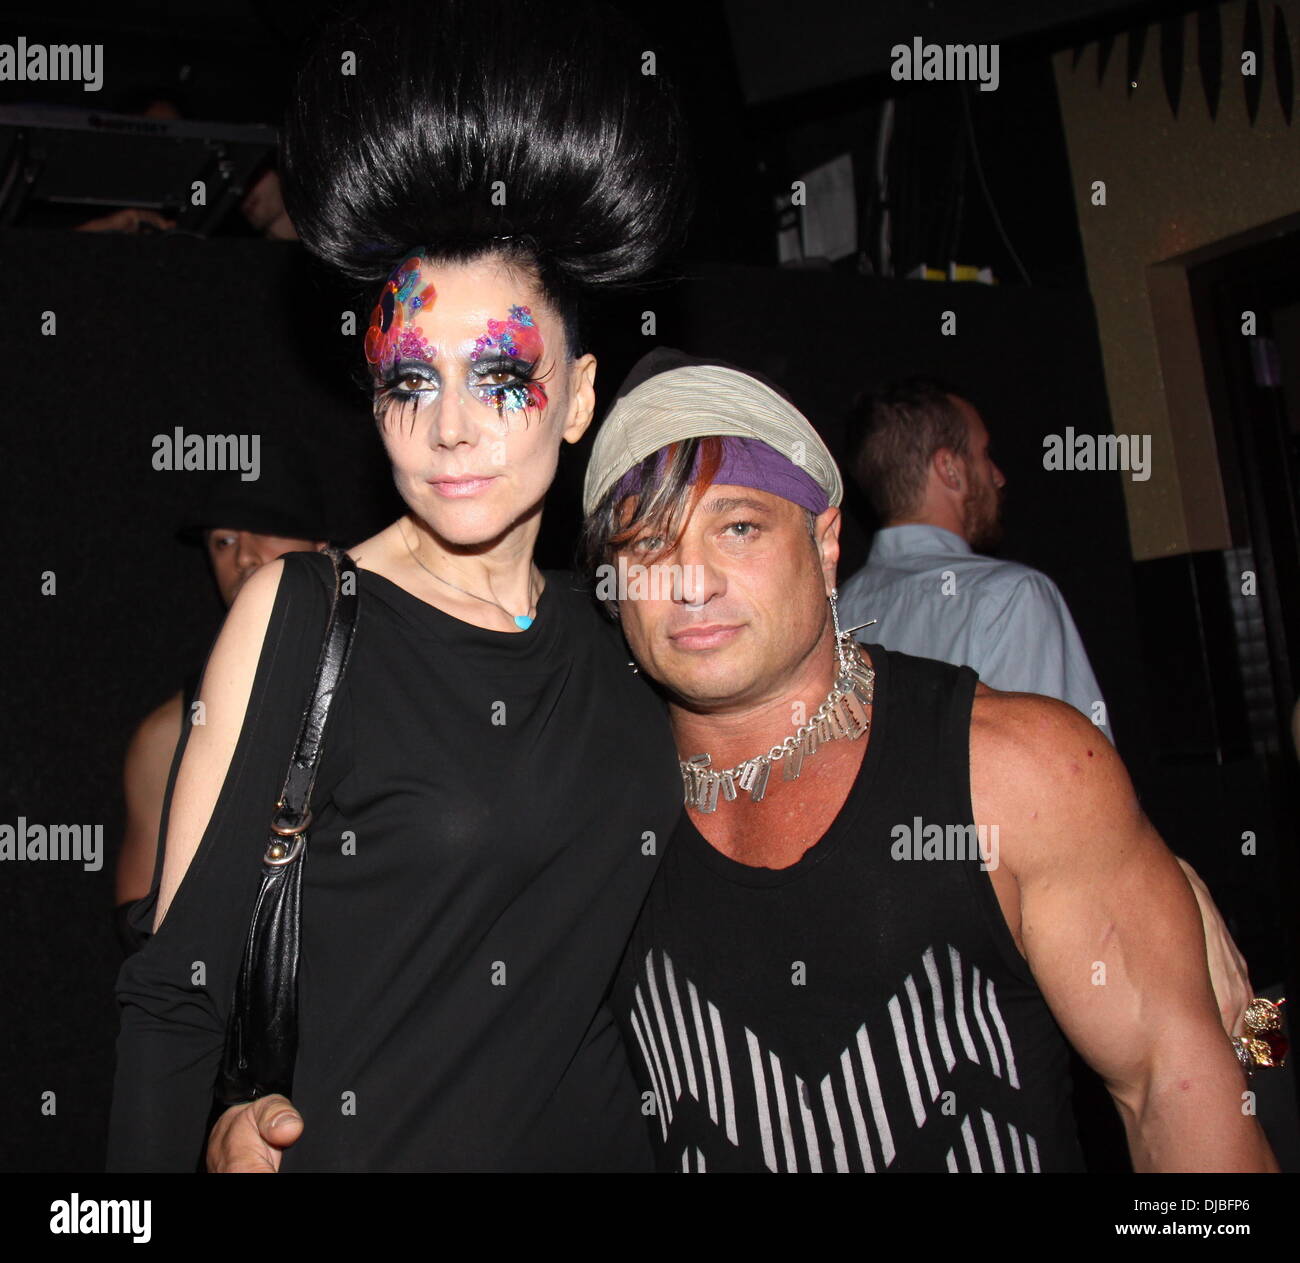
x,y
515,338
391,336
510,348
507,385
502,361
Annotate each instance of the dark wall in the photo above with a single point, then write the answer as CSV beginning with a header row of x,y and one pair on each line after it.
x,y
244,337
150,333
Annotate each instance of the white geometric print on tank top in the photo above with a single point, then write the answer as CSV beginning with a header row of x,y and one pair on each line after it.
x,y
684,1044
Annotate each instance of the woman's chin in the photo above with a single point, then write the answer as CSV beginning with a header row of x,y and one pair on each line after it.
x,y
466,526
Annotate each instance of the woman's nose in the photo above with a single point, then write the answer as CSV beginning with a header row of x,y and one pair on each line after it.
x,y
450,423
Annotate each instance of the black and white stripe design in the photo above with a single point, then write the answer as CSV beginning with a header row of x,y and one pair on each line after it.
x,y
944,1011
985,1150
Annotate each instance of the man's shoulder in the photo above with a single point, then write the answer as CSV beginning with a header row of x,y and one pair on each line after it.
x,y
1022,718
917,682
1002,576
1030,745
992,573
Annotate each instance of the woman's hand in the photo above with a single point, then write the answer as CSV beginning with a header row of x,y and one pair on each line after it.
x,y
249,1138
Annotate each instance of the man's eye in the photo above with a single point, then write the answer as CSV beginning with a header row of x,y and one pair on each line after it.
x,y
648,544
499,377
748,529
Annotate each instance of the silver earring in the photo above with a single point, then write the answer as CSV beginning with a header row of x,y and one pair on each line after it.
x,y
847,659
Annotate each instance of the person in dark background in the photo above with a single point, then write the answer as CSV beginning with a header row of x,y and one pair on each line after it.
x,y
923,459
784,908
241,526
1038,1129
457,958
202,59
262,206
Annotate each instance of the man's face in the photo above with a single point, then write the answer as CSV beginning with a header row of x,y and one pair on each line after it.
x,y
751,606
235,555
982,507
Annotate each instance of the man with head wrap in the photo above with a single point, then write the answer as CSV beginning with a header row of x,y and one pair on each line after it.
x,y
891,882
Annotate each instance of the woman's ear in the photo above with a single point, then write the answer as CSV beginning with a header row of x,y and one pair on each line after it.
x,y
582,407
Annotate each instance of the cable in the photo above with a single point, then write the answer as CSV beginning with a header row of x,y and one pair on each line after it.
x,y
988,196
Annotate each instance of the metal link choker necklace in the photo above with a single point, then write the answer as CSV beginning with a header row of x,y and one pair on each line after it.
x,y
842,714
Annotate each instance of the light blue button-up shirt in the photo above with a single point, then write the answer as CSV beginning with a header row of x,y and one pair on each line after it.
x,y
935,598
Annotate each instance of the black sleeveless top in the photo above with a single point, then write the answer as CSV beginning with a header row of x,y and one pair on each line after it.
x,y
865,1008
481,844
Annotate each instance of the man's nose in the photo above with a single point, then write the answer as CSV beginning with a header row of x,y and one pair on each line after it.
x,y
247,554
701,580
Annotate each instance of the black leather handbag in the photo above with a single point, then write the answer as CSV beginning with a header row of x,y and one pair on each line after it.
x,y
262,1031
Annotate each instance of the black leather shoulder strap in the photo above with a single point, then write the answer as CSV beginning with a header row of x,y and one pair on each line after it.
x,y
262,1031
295,796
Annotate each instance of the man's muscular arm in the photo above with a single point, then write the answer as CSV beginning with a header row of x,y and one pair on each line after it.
x,y
1112,933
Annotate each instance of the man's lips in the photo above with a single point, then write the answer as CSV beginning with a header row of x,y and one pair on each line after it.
x,y
705,635
468,485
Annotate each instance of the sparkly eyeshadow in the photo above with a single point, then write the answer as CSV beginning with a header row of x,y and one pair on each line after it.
x,y
391,337
518,338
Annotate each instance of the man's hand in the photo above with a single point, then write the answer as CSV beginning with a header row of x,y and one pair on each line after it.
x,y
1232,989
249,1137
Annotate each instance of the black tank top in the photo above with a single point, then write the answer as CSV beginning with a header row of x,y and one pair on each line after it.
x,y
865,1008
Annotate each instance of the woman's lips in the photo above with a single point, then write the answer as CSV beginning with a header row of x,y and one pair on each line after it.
x,y
709,636
457,488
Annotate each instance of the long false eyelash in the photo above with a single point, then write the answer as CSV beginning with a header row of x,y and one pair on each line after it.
x,y
387,399
528,378
386,393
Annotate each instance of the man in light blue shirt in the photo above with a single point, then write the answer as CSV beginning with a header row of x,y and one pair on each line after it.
x,y
924,461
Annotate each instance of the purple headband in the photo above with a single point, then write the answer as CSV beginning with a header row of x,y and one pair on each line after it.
x,y
745,463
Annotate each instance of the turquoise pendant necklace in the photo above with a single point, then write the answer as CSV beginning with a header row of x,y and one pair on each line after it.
x,y
522,621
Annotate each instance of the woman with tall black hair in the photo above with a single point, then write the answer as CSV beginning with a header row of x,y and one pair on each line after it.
x,y
494,776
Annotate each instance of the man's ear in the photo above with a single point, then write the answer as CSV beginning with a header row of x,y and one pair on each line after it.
x,y
949,467
826,535
582,382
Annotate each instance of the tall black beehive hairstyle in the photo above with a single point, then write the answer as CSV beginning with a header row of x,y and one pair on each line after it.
x,y
518,127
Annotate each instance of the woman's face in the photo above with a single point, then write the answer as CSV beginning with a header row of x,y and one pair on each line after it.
x,y
474,390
